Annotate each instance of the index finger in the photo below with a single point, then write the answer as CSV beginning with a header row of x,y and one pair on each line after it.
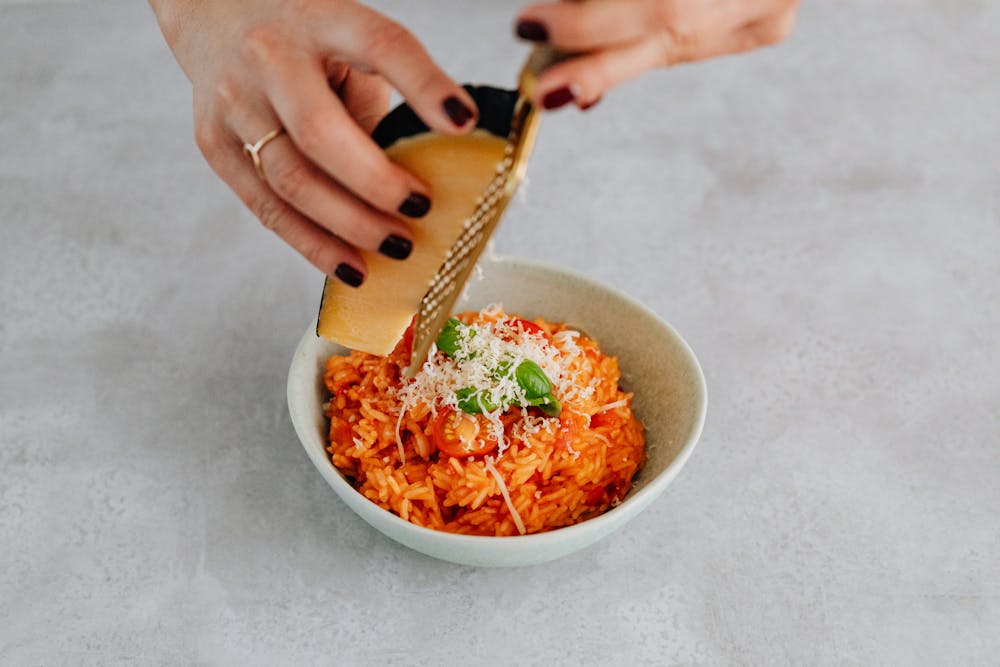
x,y
323,130
372,41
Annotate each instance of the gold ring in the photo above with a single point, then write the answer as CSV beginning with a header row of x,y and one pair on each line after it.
x,y
253,150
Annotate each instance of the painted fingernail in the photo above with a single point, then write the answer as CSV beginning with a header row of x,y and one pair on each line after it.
x,y
457,111
396,247
349,275
591,105
533,31
415,206
557,98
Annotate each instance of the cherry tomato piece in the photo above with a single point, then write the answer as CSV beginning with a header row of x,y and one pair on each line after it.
x,y
606,418
405,344
526,325
461,435
340,432
568,428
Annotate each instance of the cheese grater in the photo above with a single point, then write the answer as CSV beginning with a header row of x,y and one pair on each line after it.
x,y
448,282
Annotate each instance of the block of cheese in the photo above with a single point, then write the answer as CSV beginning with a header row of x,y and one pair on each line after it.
x,y
458,170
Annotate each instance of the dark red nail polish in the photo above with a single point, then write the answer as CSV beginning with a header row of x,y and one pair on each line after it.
x,y
533,31
415,206
349,275
396,247
591,105
457,111
557,98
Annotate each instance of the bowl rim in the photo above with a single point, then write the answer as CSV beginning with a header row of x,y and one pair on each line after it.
x,y
637,500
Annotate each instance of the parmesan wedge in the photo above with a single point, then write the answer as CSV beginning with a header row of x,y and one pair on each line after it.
x,y
373,317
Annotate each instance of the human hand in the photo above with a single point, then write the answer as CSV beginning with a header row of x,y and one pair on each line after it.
x,y
323,71
620,39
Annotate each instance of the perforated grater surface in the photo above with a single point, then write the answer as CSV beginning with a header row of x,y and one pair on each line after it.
x,y
446,287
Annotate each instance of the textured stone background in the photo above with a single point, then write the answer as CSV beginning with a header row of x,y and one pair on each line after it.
x,y
821,221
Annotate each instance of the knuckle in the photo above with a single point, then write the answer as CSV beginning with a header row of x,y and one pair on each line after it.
x,y
590,82
579,30
665,48
385,39
207,137
783,26
270,212
771,31
311,131
676,34
259,42
227,92
376,182
428,82
289,180
685,40
325,252
766,38
676,45
319,255
665,14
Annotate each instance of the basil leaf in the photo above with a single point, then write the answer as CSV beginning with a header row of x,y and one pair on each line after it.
x,y
502,370
448,339
467,401
473,401
533,380
553,408
547,404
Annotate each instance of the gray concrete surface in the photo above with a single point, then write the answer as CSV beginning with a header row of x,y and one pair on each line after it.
x,y
821,221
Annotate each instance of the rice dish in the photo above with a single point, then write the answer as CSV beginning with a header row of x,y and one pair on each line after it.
x,y
513,426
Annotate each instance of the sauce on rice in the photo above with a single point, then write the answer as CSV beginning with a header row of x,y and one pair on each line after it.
x,y
410,448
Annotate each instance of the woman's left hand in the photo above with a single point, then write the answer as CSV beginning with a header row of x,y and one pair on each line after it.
x,y
620,39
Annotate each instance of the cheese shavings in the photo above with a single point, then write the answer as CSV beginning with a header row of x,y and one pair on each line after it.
x,y
399,440
611,406
514,514
481,349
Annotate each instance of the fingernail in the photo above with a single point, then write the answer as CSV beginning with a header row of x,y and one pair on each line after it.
x,y
533,31
415,206
349,275
557,98
457,111
396,247
591,105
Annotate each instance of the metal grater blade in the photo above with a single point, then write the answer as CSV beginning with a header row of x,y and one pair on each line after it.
x,y
447,285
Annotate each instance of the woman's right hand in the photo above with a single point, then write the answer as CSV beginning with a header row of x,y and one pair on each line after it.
x,y
323,71
616,40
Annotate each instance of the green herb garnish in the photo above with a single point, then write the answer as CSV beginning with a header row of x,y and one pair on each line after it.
x,y
448,339
529,375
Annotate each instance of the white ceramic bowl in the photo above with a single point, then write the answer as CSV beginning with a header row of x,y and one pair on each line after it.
x,y
657,365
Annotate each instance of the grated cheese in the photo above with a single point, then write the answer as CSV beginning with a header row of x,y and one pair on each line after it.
x,y
506,495
611,406
399,440
482,349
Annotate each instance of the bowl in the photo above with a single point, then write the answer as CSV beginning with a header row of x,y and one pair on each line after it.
x,y
656,364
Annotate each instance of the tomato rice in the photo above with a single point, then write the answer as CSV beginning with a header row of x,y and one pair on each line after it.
x,y
573,468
